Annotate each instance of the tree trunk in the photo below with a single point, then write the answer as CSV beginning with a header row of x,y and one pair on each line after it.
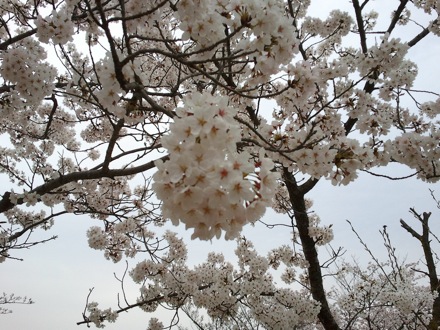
x,y
297,199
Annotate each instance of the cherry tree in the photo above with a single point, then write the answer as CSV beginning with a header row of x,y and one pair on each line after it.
x,y
206,113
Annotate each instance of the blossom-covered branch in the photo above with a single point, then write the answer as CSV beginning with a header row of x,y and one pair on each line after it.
x,y
206,113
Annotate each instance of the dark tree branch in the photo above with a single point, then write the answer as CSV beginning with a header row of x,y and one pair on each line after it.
x,y
309,249
360,25
424,240
4,45
421,35
115,135
6,204
397,15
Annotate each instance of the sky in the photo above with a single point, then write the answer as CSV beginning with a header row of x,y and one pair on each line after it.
x,y
58,275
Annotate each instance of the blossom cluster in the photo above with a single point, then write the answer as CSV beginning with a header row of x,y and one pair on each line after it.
x,y
332,29
337,159
58,26
321,234
428,5
418,152
192,77
98,316
206,183
267,31
383,295
219,288
22,66
118,239
111,91
431,108
155,324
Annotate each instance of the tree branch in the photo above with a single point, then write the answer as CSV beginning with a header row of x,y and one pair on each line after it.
x,y
310,253
421,35
4,45
430,264
6,204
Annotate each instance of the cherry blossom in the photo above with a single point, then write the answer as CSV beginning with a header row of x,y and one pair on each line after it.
x,y
216,189
202,114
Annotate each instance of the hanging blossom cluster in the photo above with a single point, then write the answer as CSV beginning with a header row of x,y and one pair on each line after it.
x,y
23,66
206,183
118,239
57,27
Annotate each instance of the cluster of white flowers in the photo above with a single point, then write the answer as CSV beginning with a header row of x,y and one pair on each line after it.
x,y
281,202
291,261
116,240
337,25
337,158
219,288
58,26
97,238
385,297
26,218
295,307
428,5
268,32
206,183
98,316
431,108
30,198
24,66
111,91
322,234
418,152
316,161
93,154
155,324
142,23
220,173
384,57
